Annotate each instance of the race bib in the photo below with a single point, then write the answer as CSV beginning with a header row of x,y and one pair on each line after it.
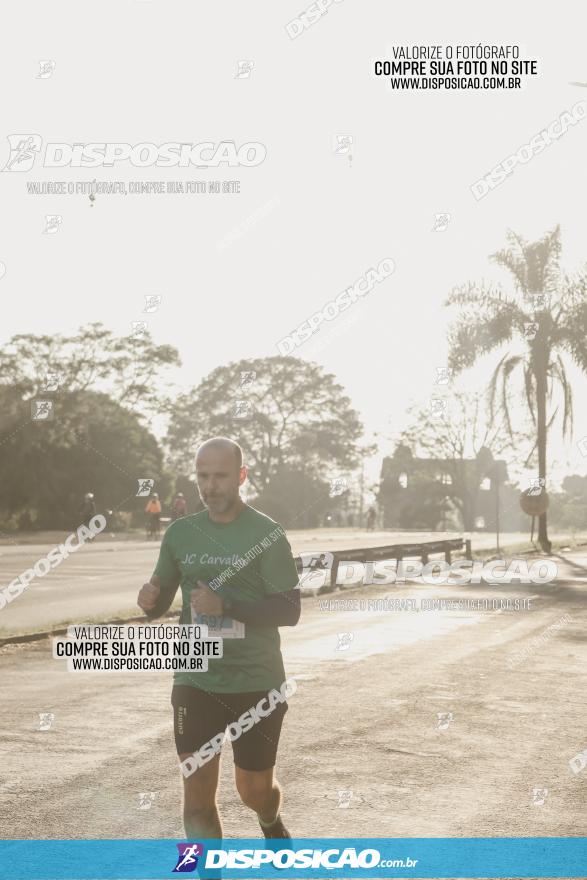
x,y
220,627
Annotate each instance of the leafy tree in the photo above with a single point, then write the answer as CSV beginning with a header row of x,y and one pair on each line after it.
x,y
91,444
547,313
568,509
128,368
296,499
296,417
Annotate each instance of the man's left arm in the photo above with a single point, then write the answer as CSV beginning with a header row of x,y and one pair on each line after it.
x,y
277,609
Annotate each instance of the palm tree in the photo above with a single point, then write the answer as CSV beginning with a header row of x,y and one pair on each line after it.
x,y
548,312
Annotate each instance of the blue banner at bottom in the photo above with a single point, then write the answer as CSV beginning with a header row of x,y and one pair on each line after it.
x,y
309,857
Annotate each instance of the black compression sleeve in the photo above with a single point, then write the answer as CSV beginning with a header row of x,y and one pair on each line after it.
x,y
164,602
279,609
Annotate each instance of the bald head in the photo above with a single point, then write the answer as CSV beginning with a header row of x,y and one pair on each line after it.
x,y
223,444
220,473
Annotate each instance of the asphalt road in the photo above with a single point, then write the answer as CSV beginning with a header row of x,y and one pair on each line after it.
x,y
364,722
101,580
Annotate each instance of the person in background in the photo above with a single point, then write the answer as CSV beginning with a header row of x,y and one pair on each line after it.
x,y
88,508
153,511
180,506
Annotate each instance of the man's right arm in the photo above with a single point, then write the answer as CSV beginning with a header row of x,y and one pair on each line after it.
x,y
154,599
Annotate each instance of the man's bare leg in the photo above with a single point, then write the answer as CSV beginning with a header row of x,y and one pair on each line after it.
x,y
261,792
200,811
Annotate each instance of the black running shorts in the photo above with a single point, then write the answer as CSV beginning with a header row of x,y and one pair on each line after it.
x,y
198,716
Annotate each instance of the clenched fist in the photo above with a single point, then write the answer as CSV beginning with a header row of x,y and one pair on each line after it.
x,y
148,595
205,601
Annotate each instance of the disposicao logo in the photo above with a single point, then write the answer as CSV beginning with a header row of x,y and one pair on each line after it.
x,y
187,859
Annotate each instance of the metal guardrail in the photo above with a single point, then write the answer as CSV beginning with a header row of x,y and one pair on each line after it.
x,y
420,549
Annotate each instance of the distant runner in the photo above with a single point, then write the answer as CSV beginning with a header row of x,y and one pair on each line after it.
x,y
180,507
88,508
248,560
88,511
153,511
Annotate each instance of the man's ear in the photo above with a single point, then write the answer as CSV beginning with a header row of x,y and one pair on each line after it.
x,y
242,475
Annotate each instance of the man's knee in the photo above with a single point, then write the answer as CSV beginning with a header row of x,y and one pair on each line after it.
x,y
255,791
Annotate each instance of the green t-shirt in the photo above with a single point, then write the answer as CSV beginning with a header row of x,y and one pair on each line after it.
x,y
251,559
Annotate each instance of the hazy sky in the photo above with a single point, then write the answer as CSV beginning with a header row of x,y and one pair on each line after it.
x,y
148,71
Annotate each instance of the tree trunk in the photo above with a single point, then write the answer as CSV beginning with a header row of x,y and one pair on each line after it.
x,y
540,368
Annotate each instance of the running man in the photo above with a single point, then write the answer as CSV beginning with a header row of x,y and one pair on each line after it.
x,y
245,605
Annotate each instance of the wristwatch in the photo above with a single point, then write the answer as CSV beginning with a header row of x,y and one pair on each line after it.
x,y
227,607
